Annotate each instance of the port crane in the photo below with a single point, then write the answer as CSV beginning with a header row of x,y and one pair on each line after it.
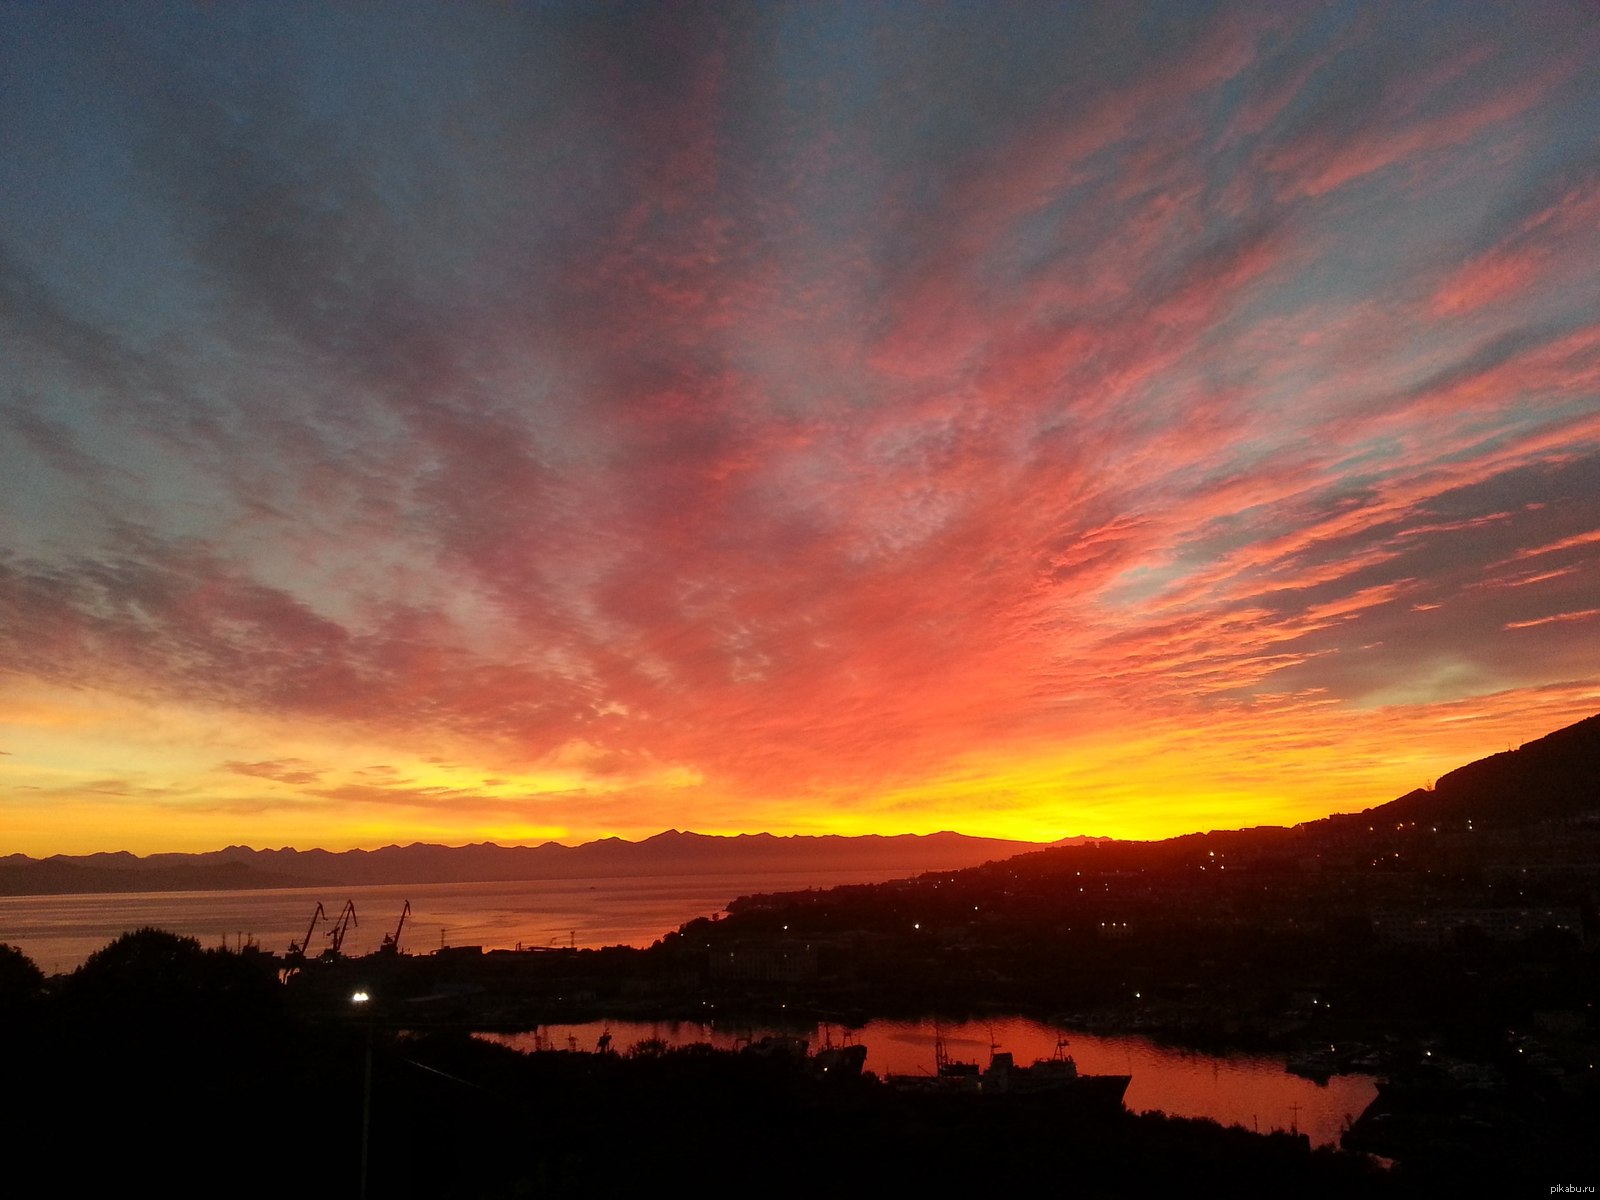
x,y
391,941
347,918
297,950
296,957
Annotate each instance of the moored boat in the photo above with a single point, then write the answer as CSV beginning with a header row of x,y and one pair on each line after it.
x,y
1055,1080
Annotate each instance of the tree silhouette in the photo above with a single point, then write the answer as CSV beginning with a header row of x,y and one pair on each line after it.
x,y
161,981
21,982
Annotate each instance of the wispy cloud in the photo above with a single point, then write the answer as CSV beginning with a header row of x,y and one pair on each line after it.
x,y
791,417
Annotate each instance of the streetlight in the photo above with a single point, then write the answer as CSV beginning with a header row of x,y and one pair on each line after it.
x,y
363,1001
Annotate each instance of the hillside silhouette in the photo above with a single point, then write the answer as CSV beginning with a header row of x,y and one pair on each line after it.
x,y
1553,777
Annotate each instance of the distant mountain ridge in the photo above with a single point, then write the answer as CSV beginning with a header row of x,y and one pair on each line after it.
x,y
1554,777
670,853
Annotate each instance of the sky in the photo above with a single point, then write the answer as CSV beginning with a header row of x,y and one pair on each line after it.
x,y
552,421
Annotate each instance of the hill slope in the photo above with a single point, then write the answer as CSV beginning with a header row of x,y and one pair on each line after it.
x,y
1554,776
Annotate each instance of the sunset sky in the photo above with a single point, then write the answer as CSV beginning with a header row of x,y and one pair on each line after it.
x,y
513,422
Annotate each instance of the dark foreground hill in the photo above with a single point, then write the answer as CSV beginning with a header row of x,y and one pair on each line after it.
x,y
161,1067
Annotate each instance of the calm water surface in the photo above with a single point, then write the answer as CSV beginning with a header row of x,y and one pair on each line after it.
x,y
59,932
1249,1090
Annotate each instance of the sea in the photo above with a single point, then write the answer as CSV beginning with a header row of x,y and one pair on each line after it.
x,y
1254,1091
59,932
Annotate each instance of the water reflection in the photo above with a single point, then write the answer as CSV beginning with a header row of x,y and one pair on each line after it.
x,y
59,932
1249,1090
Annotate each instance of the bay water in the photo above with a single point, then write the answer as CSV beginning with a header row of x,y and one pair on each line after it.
x,y
59,932
1250,1090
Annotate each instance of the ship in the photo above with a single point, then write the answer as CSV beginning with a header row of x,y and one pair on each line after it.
x,y
1055,1080
832,1063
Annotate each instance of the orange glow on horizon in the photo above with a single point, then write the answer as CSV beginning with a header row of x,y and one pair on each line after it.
x,y
1135,785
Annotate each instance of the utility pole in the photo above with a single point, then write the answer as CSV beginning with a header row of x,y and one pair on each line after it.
x,y
363,1000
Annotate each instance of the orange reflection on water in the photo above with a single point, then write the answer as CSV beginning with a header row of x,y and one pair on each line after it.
x,y
1253,1091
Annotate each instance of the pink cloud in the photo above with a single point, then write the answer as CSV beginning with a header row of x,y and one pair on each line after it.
x,y
1541,246
1584,615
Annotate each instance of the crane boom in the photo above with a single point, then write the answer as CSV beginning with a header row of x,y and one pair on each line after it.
x,y
298,949
391,941
347,918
